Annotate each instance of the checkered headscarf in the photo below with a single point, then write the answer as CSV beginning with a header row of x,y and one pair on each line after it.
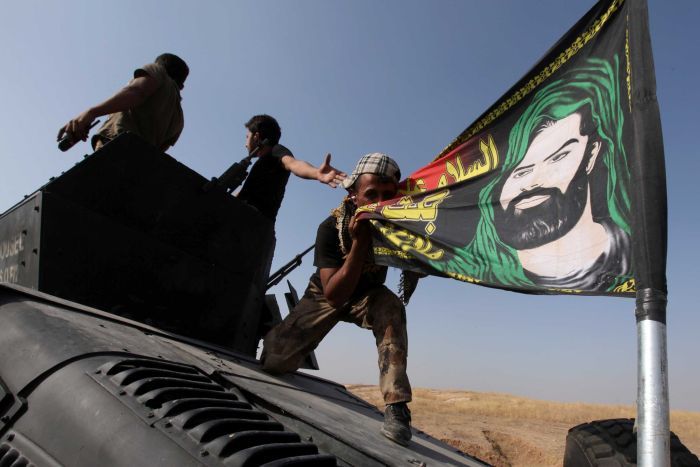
x,y
374,163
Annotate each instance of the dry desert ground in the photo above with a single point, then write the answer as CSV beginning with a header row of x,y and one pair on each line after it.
x,y
506,430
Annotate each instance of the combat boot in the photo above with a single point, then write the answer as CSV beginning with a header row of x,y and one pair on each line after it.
x,y
397,423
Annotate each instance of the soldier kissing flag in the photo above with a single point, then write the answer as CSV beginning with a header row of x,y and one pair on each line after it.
x,y
559,187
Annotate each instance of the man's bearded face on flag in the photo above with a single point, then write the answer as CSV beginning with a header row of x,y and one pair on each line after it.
x,y
545,195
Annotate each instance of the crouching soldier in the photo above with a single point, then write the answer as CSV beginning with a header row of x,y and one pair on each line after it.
x,y
348,286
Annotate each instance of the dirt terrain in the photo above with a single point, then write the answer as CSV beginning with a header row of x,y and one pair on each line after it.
x,y
506,430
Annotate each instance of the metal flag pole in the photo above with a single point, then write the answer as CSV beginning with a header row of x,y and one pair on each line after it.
x,y
649,248
653,423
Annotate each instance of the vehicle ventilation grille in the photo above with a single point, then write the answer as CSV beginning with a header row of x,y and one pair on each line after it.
x,y
205,417
11,457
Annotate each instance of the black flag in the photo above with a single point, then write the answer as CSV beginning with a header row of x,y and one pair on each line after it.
x,y
559,187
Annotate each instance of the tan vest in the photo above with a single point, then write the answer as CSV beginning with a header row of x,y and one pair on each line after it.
x,y
158,120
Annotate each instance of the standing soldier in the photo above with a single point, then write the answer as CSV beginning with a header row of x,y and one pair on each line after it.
x,y
149,106
265,186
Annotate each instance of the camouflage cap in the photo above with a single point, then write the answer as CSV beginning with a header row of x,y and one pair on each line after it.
x,y
374,163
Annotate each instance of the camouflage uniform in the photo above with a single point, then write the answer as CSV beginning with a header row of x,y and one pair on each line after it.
x,y
377,309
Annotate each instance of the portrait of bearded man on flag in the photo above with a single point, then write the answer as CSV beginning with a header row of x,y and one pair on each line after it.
x,y
557,213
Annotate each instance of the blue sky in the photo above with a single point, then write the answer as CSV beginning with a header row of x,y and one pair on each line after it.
x,y
397,76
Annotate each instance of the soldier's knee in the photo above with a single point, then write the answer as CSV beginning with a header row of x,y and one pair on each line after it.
x,y
388,299
394,307
277,364
387,310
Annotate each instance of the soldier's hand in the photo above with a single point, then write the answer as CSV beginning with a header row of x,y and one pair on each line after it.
x,y
360,230
78,128
328,174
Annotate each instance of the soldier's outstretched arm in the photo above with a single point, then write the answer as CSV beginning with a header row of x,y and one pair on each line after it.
x,y
324,173
132,95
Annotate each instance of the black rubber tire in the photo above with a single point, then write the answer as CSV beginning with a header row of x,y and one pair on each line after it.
x,y
612,443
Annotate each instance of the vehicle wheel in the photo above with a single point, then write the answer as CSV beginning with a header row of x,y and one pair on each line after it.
x,y
612,443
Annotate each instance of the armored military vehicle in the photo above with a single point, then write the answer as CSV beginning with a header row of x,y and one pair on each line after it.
x,y
132,305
